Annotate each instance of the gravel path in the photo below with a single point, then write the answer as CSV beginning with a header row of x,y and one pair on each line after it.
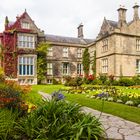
x,y
116,128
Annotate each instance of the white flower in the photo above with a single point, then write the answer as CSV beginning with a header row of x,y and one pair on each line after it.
x,y
92,97
129,103
139,105
119,101
110,99
98,98
87,96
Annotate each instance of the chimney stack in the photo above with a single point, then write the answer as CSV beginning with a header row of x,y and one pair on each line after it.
x,y
80,31
136,13
122,16
6,22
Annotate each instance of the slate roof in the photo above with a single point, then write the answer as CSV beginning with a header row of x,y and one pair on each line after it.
x,y
113,23
71,40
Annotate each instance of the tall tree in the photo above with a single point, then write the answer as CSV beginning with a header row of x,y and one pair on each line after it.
x,y
86,62
42,61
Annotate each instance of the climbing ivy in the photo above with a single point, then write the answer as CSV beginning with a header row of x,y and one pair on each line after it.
x,y
41,61
86,61
94,64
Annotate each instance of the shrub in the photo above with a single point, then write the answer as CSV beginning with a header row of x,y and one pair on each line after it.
x,y
77,81
11,97
58,120
103,78
67,79
55,82
97,82
115,83
2,78
126,82
136,80
88,79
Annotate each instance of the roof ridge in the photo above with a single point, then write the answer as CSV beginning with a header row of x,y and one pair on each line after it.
x,y
67,37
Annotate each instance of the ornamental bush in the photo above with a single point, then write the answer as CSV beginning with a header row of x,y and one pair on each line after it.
x,y
75,82
58,120
11,95
125,82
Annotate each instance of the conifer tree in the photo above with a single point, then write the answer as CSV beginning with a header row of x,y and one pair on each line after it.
x,y
86,62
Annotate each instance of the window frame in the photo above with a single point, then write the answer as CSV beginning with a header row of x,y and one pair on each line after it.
x,y
26,41
26,65
104,66
65,52
138,44
138,66
79,52
65,70
25,25
49,68
50,52
79,69
104,45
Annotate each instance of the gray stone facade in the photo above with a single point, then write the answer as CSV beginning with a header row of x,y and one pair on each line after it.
x,y
123,49
116,46
117,49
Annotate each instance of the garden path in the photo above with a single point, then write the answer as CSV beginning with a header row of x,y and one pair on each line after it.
x,y
116,127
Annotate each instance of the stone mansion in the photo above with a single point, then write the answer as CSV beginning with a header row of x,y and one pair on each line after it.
x,y
117,49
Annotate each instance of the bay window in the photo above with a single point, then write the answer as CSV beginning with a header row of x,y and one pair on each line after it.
x,y
26,65
26,41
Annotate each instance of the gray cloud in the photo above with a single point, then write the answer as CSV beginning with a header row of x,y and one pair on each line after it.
x,y
61,17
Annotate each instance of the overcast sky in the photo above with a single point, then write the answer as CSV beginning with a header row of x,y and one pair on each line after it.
x,y
61,17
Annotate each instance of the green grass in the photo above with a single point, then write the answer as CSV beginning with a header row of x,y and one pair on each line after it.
x,y
35,98
121,110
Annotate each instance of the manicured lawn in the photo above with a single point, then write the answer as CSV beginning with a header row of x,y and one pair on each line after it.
x,y
121,110
35,98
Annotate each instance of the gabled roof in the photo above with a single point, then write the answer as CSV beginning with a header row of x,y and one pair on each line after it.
x,y
69,40
113,23
16,24
107,26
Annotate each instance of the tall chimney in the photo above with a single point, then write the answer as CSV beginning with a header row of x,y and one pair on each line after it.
x,y
122,16
80,31
136,13
6,22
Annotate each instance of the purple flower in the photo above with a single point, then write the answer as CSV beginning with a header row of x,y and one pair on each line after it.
x,y
57,95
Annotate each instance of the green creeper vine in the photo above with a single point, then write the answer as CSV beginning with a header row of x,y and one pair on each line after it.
x,y
94,64
86,61
41,61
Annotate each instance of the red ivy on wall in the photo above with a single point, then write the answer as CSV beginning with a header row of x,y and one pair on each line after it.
x,y
10,51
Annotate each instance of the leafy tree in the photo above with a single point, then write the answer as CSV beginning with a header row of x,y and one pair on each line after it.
x,y
41,61
94,64
86,61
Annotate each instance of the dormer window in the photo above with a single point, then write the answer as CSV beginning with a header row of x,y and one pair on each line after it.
x,y
25,25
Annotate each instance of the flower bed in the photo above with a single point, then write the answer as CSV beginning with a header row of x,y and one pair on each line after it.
x,y
108,93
